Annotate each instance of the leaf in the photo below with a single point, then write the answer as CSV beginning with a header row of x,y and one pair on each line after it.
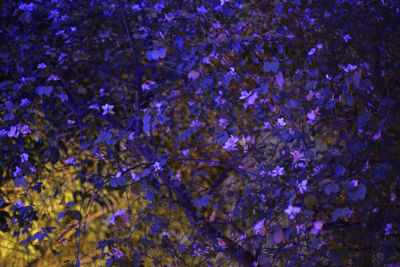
x,y
339,213
349,100
259,228
277,236
311,202
146,124
156,54
121,181
279,80
339,170
264,261
114,182
19,181
271,66
331,188
203,201
357,193
60,215
363,119
44,90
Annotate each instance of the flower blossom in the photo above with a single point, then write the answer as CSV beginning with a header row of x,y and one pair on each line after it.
x,y
302,186
346,38
281,122
251,100
108,109
244,95
157,166
118,254
24,157
223,123
317,227
312,51
53,78
230,144
259,227
41,66
119,218
278,171
292,211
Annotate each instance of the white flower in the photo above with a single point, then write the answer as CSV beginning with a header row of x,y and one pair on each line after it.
x,y
320,46
302,186
348,68
41,66
117,253
259,227
317,227
108,109
94,106
24,129
195,124
221,243
267,125
300,228
223,122
297,156
251,100
244,95
24,157
53,78
17,172
145,87
134,177
157,166
136,7
388,228
13,132
312,51
312,115
19,204
278,171
185,152
281,122
346,37
230,144
69,161
24,102
354,183
292,211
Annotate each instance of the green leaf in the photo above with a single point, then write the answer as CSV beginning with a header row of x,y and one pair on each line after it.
x,y
271,66
357,193
203,201
44,90
339,213
146,124
363,120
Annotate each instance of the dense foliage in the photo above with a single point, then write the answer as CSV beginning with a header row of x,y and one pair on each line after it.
x,y
200,133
